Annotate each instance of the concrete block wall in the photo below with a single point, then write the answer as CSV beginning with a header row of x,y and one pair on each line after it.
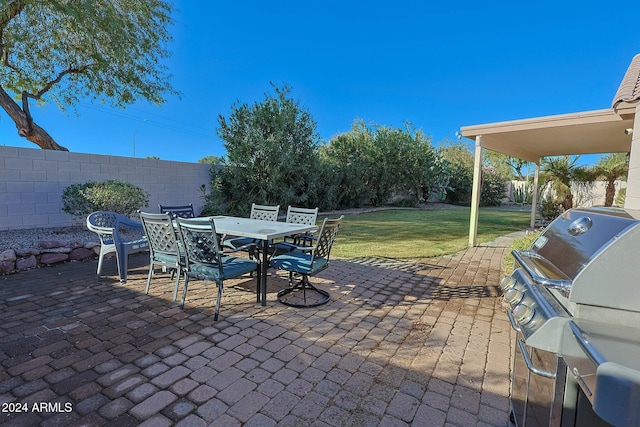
x,y
32,182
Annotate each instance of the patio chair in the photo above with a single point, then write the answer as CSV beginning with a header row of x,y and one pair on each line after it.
x,y
307,261
183,211
263,212
164,250
297,215
205,260
117,234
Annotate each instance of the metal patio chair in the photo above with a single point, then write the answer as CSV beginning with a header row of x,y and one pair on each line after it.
x,y
182,211
263,212
117,234
205,260
164,249
307,261
296,215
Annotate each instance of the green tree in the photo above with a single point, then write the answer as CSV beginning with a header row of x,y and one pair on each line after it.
x,y
460,166
507,167
212,160
350,157
611,168
271,154
63,51
376,164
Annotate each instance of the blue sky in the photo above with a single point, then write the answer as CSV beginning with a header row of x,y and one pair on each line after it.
x,y
437,65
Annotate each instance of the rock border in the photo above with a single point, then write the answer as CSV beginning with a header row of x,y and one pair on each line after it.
x,y
48,253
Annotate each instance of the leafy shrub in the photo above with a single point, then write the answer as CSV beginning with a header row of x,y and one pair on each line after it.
x,y
492,191
522,243
124,198
213,203
551,208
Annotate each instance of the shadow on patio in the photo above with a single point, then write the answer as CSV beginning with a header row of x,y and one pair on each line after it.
x,y
400,343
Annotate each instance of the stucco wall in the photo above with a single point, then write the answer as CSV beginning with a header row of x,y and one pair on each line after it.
x,y
32,182
633,192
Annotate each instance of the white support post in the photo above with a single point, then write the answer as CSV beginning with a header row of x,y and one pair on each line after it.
x,y
534,199
475,194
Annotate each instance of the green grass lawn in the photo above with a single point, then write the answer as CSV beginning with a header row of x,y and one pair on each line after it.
x,y
405,234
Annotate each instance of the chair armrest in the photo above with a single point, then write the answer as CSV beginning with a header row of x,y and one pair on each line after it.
x,y
123,220
239,248
305,239
304,248
128,224
101,230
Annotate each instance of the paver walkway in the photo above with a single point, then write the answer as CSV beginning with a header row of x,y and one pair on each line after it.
x,y
423,343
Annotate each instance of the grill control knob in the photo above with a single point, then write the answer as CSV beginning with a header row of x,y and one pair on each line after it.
x,y
507,282
513,296
523,313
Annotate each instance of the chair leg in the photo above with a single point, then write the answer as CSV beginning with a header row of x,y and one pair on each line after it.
x,y
184,293
149,278
175,290
258,281
100,259
304,286
215,315
122,259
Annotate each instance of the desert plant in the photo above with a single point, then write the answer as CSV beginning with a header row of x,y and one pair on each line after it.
x,y
551,208
621,196
523,193
611,168
124,198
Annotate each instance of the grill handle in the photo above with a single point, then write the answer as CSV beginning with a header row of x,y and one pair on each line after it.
x,y
562,286
585,343
527,361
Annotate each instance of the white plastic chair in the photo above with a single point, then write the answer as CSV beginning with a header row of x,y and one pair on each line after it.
x,y
107,225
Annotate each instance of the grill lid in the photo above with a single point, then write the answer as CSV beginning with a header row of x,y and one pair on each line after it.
x,y
578,235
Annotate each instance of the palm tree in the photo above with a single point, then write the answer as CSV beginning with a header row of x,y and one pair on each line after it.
x,y
612,167
561,171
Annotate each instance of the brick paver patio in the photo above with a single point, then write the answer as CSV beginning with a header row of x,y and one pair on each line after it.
x,y
423,343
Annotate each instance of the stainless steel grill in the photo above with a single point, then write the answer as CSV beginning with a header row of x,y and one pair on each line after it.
x,y
574,299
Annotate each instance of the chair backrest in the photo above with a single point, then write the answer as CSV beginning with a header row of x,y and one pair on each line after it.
x,y
183,211
106,224
302,215
161,233
200,242
103,223
264,212
326,236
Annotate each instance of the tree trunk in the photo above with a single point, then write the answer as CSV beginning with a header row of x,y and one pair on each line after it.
x,y
26,126
610,193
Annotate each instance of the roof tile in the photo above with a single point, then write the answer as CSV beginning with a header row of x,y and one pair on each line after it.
x,y
629,90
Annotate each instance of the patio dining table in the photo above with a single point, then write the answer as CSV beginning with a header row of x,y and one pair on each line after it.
x,y
258,229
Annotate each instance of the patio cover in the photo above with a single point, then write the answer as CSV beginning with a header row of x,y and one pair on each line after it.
x,y
590,132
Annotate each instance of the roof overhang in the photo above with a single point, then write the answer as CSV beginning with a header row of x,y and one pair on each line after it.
x,y
589,132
